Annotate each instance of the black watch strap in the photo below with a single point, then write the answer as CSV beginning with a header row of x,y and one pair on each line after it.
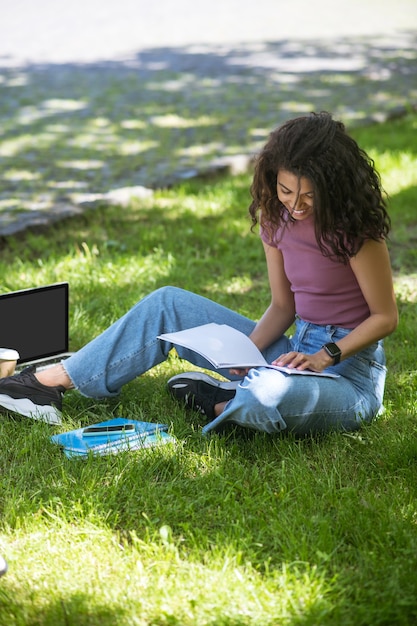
x,y
334,351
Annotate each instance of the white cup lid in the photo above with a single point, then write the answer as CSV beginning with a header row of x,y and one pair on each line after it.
x,y
7,354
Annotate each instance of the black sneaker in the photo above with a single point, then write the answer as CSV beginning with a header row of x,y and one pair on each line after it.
x,y
201,392
24,394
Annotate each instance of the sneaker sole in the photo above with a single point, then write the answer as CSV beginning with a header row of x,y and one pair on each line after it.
x,y
214,382
27,408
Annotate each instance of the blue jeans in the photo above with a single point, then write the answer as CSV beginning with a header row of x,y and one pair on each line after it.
x,y
265,399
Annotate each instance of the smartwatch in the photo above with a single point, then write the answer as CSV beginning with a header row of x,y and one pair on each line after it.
x,y
334,351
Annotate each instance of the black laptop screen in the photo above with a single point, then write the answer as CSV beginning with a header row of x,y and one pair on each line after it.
x,y
35,321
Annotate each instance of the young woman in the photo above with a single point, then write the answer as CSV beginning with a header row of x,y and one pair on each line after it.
x,y
324,225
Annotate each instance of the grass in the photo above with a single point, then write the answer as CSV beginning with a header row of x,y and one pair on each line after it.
x,y
231,530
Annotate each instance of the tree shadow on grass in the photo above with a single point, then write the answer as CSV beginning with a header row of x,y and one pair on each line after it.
x,y
75,610
73,130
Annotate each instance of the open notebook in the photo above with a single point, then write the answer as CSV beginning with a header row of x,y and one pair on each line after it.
x,y
35,323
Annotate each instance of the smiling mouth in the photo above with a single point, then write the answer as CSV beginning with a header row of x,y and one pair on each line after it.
x,y
298,211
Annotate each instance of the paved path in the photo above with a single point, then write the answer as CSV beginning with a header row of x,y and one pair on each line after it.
x,y
92,30
97,95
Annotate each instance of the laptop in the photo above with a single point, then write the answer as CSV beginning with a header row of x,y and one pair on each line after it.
x,y
35,323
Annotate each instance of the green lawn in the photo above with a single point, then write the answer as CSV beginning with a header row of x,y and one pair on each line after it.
x,y
232,530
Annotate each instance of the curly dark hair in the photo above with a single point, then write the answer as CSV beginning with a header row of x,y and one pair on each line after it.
x,y
349,203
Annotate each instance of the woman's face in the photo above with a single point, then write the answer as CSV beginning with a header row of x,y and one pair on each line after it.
x,y
296,194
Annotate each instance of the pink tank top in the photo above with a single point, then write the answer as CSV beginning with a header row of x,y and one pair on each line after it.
x,y
325,290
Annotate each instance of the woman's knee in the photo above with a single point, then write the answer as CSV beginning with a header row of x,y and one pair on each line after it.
x,y
167,293
173,297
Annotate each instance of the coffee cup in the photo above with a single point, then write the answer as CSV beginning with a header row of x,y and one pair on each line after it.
x,y
8,359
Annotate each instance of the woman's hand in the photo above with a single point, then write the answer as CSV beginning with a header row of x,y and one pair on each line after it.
x,y
316,362
239,371
295,360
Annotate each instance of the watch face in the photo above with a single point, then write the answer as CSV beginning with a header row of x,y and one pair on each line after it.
x,y
332,349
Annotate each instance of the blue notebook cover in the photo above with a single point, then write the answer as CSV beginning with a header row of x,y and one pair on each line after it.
x,y
145,435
